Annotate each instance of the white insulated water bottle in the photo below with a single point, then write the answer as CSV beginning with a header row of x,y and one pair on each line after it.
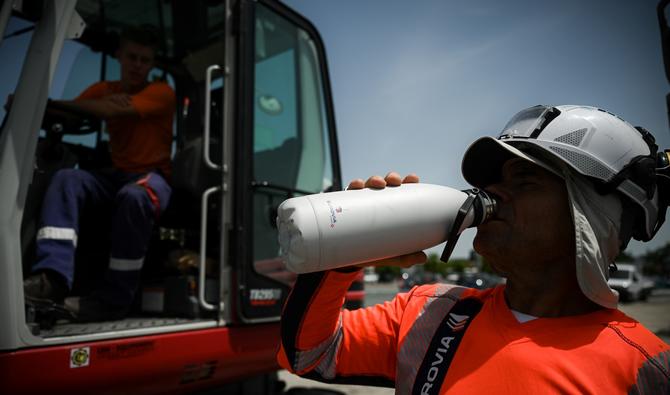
x,y
337,229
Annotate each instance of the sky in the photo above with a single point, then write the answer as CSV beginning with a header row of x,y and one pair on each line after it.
x,y
415,82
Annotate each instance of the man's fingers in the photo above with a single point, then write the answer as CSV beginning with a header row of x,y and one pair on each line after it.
x,y
393,179
356,184
375,182
112,100
410,179
120,99
411,259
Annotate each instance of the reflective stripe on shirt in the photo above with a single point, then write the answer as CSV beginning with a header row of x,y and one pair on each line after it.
x,y
416,343
56,233
329,347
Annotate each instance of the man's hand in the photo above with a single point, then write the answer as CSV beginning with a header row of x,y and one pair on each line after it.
x,y
108,107
119,99
392,179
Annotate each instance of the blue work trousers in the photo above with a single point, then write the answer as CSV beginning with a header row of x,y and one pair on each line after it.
x,y
136,201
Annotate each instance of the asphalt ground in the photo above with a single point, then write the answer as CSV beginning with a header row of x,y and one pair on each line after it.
x,y
654,314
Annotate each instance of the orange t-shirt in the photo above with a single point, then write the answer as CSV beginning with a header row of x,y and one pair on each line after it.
x,y
604,352
143,143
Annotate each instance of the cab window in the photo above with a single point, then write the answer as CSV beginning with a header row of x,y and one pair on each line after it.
x,y
13,50
291,137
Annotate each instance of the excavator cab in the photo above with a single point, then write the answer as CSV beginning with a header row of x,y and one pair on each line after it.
x,y
254,125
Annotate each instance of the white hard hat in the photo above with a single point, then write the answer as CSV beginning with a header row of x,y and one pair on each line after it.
x,y
616,156
616,188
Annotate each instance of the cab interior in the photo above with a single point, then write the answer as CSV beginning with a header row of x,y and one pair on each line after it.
x,y
271,173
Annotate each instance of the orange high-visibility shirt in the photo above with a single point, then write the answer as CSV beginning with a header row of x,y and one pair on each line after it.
x,y
140,144
604,352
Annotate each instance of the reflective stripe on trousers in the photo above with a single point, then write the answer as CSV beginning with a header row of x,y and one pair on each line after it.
x,y
125,265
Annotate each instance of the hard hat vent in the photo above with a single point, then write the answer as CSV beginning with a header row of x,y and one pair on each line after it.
x,y
573,138
584,164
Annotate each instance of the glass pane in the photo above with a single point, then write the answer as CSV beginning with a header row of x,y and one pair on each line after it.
x,y
12,50
275,117
78,68
291,143
116,15
215,18
315,170
290,130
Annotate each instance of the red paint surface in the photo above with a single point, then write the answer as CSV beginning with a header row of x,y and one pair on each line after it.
x,y
145,365
355,295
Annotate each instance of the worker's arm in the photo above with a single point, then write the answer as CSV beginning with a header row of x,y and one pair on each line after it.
x,y
108,107
319,339
156,99
323,342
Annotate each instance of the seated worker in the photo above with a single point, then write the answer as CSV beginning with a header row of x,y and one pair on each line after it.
x,y
573,185
139,116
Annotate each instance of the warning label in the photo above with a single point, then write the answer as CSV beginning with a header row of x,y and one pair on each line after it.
x,y
125,350
80,357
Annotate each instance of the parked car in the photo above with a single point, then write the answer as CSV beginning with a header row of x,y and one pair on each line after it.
x,y
411,278
630,283
479,280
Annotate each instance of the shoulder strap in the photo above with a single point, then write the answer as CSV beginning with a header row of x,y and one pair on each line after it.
x,y
443,347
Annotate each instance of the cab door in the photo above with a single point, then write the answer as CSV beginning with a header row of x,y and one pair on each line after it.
x,y
288,133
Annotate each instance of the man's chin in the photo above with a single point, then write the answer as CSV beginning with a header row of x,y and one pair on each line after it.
x,y
491,251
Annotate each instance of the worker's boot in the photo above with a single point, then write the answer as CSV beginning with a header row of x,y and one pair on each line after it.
x,y
45,286
91,309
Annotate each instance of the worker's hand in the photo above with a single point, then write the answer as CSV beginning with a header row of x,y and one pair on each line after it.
x,y
119,99
392,179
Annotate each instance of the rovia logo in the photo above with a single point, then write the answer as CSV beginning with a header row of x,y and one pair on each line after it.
x,y
457,322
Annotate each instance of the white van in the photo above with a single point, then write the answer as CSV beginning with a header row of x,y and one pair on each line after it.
x,y
630,283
